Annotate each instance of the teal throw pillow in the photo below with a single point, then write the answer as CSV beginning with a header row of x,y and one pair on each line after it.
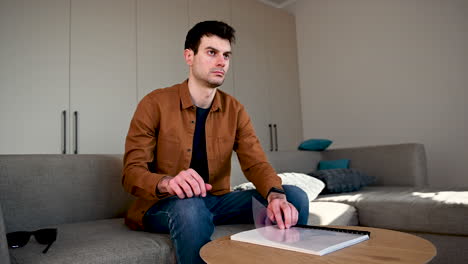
x,y
342,180
315,144
333,164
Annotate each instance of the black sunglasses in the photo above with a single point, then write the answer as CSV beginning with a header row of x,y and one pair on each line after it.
x,y
45,236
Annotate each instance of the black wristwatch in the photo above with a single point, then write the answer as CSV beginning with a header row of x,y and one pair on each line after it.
x,y
276,190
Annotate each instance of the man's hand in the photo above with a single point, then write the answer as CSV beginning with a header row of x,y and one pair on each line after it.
x,y
187,183
282,212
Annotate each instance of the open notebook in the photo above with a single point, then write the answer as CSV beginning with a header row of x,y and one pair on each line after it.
x,y
315,240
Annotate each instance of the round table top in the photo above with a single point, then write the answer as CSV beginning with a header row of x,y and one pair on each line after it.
x,y
384,246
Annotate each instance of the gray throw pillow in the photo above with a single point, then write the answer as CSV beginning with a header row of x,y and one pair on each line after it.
x,y
342,180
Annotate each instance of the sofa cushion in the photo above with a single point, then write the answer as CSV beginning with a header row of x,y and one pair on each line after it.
x,y
110,241
106,241
330,213
409,209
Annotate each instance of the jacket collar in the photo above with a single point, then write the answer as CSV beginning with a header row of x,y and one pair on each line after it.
x,y
186,99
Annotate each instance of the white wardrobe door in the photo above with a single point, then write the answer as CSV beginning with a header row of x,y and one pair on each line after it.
x,y
34,79
103,74
250,71
283,75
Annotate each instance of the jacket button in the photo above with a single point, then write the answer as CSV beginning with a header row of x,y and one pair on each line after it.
x,y
193,122
189,150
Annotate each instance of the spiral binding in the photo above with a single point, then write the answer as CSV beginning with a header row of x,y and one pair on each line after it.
x,y
342,230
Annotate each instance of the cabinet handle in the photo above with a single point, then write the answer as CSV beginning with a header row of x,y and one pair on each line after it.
x,y
75,151
64,146
271,138
276,137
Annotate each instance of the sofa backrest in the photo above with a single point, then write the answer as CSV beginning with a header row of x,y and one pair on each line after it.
x,y
392,165
46,190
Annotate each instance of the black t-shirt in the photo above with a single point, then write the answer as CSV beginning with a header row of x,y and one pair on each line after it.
x,y
199,158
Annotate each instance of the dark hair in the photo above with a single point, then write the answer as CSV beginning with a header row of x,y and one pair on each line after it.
x,y
208,28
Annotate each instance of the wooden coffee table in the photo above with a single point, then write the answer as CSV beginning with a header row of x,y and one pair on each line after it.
x,y
384,246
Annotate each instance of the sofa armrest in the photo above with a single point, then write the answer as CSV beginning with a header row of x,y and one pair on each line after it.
x,y
398,165
4,255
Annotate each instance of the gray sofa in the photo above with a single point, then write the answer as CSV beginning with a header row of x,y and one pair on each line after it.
x,y
81,195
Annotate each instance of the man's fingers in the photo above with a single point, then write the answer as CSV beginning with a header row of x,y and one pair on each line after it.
x,y
197,183
294,215
175,189
286,214
283,212
185,187
278,216
274,213
290,213
194,185
188,183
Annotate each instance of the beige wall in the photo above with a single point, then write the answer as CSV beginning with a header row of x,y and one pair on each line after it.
x,y
388,71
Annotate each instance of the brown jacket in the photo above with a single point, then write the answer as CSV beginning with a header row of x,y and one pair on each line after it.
x,y
159,143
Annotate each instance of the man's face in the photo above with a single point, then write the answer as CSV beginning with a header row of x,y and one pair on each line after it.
x,y
211,62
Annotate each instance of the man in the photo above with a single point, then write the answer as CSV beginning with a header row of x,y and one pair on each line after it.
x,y
178,152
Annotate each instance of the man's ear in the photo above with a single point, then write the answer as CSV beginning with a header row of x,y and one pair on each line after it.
x,y
188,55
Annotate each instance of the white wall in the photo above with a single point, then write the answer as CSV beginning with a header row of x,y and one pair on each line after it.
x,y
388,71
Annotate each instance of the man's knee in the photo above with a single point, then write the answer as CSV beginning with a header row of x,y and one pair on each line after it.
x,y
190,214
191,227
296,194
190,208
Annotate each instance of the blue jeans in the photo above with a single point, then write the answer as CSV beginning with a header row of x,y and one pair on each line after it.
x,y
191,221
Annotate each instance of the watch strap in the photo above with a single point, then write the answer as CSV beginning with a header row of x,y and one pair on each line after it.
x,y
276,190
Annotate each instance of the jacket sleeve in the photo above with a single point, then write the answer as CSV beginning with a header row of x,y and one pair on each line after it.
x,y
140,145
252,158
